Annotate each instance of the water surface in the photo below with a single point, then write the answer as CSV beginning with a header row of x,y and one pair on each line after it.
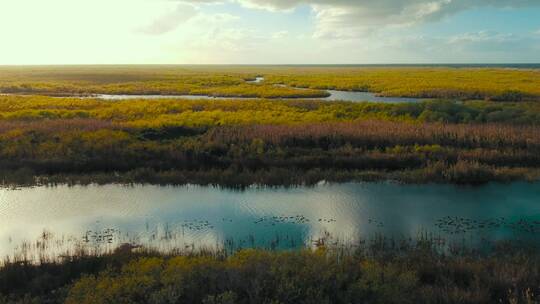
x,y
168,217
334,96
367,96
257,79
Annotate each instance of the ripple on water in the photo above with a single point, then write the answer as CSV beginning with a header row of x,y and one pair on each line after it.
x,y
207,215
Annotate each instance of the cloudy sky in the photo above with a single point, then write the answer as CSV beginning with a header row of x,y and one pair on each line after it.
x,y
268,31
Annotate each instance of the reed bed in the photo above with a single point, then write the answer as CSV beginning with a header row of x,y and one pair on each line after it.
x,y
268,154
373,133
379,270
272,142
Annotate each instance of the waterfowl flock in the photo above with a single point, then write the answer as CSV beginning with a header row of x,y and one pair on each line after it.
x,y
460,225
450,225
197,225
282,219
375,222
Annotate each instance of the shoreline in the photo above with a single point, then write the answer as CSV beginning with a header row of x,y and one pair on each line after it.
x,y
276,178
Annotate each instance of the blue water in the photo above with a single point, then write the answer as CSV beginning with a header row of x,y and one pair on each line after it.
x,y
170,217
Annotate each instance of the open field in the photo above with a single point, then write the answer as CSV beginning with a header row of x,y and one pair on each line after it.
x,y
501,84
241,142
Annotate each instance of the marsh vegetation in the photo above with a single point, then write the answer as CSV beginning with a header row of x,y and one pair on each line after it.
x,y
377,271
497,84
241,142
481,126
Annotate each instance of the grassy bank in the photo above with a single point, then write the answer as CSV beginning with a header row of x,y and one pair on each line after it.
x,y
376,273
237,143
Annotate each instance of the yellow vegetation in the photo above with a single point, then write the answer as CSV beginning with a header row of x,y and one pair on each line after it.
x,y
435,82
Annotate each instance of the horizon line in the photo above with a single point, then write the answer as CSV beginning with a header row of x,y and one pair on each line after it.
x,y
269,64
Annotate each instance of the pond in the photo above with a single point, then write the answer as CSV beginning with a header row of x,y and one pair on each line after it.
x,y
257,79
166,217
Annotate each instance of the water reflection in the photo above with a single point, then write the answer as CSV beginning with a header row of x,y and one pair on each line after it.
x,y
334,96
367,96
257,79
176,217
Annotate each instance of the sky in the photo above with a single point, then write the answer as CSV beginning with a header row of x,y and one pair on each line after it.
x,y
268,31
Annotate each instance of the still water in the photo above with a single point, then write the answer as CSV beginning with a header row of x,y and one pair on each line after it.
x,y
366,96
173,217
334,96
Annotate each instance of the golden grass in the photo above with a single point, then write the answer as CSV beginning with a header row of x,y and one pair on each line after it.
x,y
434,82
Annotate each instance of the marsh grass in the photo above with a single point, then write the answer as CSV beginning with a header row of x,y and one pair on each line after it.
x,y
81,151
235,143
378,270
422,82
498,84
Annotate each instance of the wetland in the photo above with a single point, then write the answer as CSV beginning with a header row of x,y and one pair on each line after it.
x,y
340,184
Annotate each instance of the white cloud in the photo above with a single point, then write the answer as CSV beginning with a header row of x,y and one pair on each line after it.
x,y
489,42
353,18
206,31
227,40
280,34
480,47
482,37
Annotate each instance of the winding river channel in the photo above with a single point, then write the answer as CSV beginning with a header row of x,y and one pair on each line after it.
x,y
335,95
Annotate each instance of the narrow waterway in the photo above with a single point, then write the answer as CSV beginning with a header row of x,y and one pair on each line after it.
x,y
334,96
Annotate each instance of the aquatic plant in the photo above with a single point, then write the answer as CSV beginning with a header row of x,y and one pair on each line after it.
x,y
378,271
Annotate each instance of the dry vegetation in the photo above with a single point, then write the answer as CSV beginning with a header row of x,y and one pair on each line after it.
x,y
277,142
272,142
240,142
377,272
